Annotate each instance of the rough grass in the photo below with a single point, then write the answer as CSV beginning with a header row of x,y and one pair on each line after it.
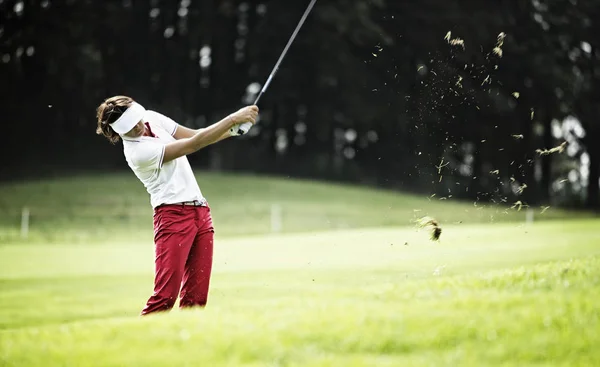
x,y
114,207
489,294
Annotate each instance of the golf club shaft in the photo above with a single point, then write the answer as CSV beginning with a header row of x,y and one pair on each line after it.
x,y
243,128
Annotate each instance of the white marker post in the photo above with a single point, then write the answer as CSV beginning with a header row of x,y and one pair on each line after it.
x,y
25,223
276,218
529,216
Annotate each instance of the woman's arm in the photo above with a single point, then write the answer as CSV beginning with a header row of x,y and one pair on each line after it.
x,y
183,132
190,141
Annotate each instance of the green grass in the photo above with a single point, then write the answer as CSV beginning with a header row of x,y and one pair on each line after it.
x,y
487,295
100,208
350,282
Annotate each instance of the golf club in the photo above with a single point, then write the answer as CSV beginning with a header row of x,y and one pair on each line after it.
x,y
241,129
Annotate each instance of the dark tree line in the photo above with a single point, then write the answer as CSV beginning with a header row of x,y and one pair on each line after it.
x,y
448,97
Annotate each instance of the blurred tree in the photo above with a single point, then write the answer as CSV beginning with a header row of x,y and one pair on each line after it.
x,y
584,50
574,26
371,91
324,79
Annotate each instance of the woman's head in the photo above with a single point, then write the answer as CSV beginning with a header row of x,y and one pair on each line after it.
x,y
108,113
120,116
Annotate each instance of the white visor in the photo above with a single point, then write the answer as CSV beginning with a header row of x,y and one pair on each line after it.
x,y
133,115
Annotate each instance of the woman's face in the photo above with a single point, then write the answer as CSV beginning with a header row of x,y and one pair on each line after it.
x,y
137,131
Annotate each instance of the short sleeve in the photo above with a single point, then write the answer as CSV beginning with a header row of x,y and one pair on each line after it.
x,y
165,122
148,156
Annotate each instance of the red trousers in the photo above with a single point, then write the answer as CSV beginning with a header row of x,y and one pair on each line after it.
x,y
183,237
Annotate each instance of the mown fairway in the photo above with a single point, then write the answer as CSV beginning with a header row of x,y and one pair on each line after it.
x,y
489,293
106,208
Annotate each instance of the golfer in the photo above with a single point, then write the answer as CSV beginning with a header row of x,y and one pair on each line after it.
x,y
155,148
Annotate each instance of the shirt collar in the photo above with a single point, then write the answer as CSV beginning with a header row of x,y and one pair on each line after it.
x,y
126,138
138,139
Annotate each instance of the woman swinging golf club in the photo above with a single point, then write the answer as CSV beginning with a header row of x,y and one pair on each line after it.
x,y
155,148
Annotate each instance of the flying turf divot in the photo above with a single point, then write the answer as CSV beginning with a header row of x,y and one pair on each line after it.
x,y
435,231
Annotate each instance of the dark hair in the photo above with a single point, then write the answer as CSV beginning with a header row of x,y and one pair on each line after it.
x,y
108,112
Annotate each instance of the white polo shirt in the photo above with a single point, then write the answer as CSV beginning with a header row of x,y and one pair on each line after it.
x,y
168,183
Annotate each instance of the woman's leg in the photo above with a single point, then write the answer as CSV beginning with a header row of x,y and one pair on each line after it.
x,y
175,231
198,268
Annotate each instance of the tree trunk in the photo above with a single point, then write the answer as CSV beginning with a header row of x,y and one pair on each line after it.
x,y
593,189
546,180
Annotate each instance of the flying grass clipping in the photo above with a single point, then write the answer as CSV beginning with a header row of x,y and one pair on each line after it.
x,y
465,83
558,149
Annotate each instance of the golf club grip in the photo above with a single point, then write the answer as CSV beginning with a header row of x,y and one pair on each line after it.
x,y
243,128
